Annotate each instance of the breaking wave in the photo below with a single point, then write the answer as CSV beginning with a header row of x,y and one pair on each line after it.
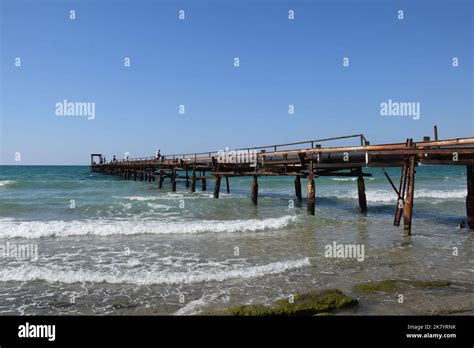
x,y
37,229
29,272
6,182
390,196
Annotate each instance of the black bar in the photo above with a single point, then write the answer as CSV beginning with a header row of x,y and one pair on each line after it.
x,y
241,330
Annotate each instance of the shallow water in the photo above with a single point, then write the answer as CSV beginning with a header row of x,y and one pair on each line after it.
x,y
107,246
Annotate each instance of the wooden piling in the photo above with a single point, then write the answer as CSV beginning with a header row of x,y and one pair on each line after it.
x,y
310,190
160,182
402,187
227,184
408,206
193,181
217,186
298,188
470,196
255,190
187,178
173,181
361,192
203,181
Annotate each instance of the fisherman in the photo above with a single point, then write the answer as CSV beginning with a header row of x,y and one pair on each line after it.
x,y
158,155
114,159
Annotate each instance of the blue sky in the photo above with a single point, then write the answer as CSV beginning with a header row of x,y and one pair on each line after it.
x,y
190,62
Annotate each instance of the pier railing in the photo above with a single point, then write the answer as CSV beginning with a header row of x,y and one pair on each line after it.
x,y
276,147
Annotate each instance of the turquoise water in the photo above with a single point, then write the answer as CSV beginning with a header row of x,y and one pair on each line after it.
x,y
126,247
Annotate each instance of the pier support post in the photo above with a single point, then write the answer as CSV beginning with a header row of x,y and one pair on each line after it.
x,y
187,178
141,176
310,190
193,181
134,175
361,192
298,188
204,181
255,190
160,182
408,206
402,187
217,186
470,196
227,184
173,181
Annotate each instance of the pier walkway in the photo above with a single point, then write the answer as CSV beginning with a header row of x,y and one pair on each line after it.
x,y
306,160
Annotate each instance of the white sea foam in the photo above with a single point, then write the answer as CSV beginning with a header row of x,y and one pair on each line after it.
x,y
386,196
196,306
6,182
140,198
37,229
370,178
167,196
30,272
158,206
456,193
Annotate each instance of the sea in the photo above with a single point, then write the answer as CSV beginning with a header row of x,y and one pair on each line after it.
x,y
101,245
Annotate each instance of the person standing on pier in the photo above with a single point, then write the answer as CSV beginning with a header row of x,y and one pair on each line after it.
x,y
158,155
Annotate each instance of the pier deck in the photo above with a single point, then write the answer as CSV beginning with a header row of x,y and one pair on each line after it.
x,y
306,160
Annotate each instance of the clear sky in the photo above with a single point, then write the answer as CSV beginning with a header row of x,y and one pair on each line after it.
x,y
191,62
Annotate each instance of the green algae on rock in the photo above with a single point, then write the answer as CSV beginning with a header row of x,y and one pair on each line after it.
x,y
395,284
309,303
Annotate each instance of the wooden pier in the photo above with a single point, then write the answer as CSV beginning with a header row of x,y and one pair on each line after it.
x,y
305,160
